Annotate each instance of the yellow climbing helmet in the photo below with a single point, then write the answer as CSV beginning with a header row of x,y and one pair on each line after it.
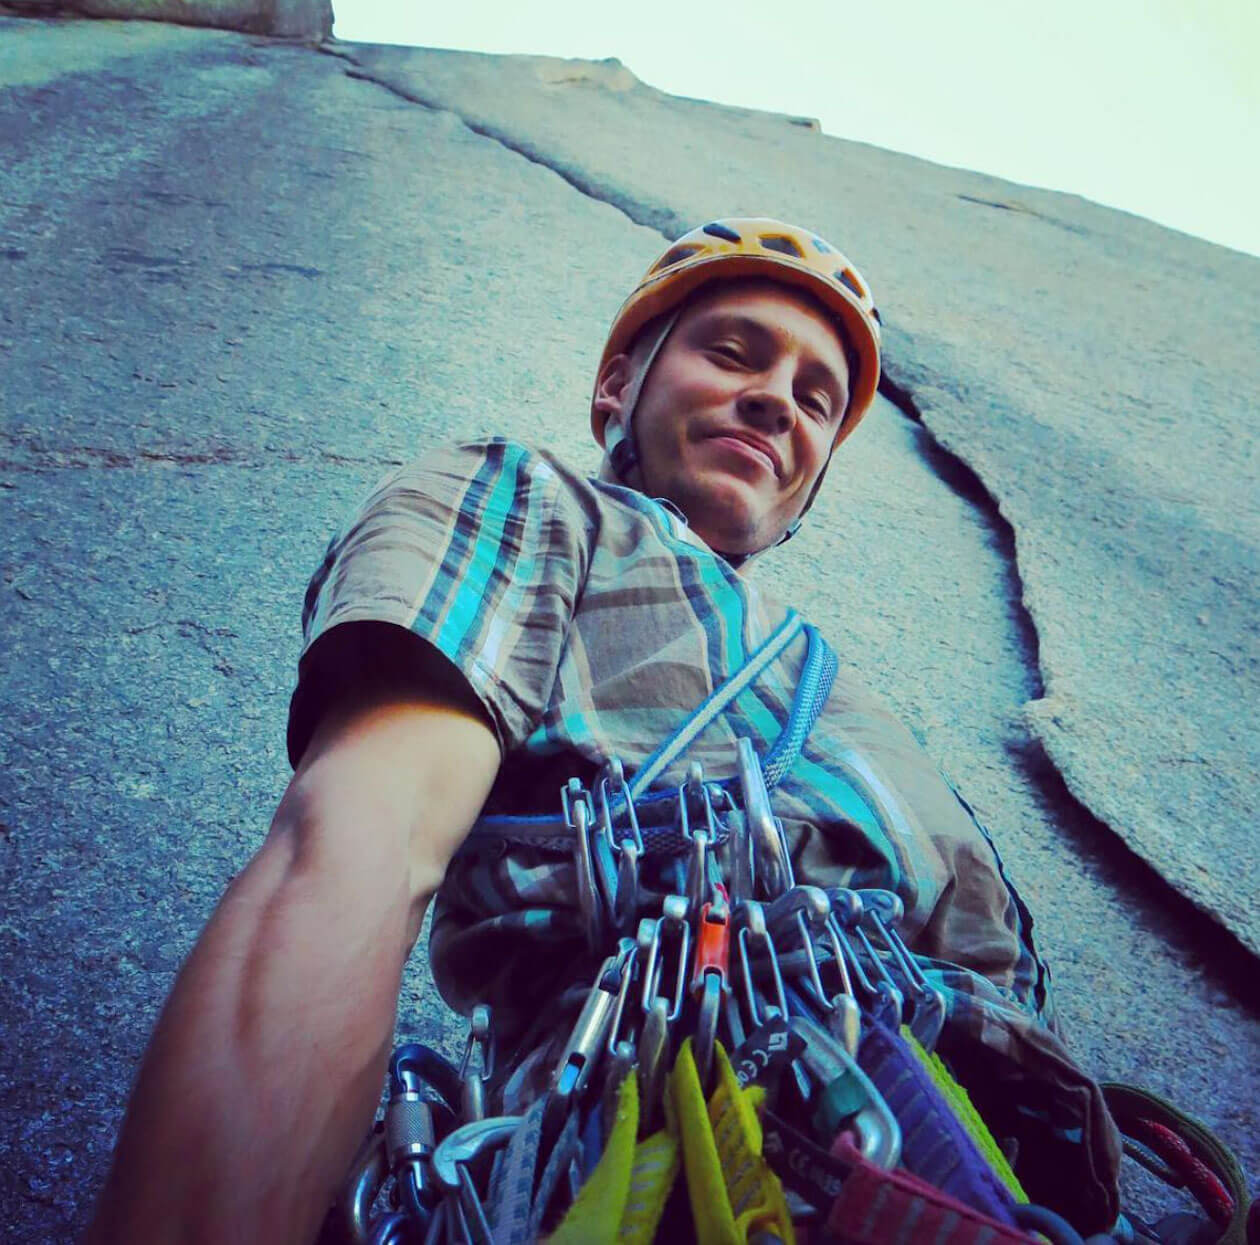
x,y
737,247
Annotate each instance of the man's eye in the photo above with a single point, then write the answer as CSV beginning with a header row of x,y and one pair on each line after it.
x,y
728,350
817,405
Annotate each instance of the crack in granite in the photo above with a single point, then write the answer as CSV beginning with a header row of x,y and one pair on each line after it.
x,y
1069,811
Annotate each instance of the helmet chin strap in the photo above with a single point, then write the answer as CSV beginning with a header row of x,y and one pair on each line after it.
x,y
622,465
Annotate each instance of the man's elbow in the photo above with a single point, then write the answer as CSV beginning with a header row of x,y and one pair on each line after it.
x,y
388,789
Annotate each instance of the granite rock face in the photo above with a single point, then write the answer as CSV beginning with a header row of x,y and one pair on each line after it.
x,y
240,279
1096,371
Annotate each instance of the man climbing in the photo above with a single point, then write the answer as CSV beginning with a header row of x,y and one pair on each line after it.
x,y
489,625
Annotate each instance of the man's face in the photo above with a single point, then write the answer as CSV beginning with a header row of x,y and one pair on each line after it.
x,y
741,410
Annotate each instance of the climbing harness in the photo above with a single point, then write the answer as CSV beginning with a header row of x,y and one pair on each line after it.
x,y
751,1061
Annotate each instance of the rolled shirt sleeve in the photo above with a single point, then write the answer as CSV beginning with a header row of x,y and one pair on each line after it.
x,y
477,550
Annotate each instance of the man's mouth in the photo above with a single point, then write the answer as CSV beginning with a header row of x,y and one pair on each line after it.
x,y
751,448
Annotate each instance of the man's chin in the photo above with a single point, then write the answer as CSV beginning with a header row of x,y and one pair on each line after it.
x,y
731,529
728,512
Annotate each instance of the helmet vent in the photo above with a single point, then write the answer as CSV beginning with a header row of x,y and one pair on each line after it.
x,y
715,229
848,277
823,248
675,255
785,246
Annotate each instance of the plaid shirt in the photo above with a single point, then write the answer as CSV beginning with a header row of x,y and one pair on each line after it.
x,y
590,621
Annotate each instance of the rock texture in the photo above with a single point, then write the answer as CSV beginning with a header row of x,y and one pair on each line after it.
x,y
1096,371
239,279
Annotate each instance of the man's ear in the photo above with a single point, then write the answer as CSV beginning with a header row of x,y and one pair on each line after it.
x,y
612,386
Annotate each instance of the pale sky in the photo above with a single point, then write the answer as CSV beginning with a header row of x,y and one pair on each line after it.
x,y
1148,105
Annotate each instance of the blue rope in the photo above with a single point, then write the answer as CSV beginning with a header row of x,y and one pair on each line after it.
x,y
708,710
812,691
548,832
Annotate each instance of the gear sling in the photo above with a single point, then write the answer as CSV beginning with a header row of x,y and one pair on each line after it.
x,y
753,1064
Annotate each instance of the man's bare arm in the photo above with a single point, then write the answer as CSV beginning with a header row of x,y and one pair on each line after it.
x,y
266,1065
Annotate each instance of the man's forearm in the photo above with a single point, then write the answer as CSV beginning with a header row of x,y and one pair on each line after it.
x,y
266,1066
267,1063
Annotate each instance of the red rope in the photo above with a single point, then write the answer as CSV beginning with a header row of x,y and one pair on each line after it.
x,y
1197,1176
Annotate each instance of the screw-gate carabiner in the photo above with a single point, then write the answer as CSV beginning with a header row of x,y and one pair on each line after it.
x,y
394,1229
363,1182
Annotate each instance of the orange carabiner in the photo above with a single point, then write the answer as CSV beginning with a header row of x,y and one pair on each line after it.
x,y
713,944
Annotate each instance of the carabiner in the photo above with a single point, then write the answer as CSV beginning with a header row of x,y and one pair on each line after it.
x,y
480,1041
653,1064
825,1057
885,910
773,863
882,998
700,841
586,1041
579,816
739,854
674,913
806,909
614,775
368,1172
628,955
618,851
710,968
451,1161
751,932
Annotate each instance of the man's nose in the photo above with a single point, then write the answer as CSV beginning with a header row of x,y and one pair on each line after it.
x,y
769,402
